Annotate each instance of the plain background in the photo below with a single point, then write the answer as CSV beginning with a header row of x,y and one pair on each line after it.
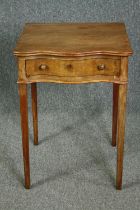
x,y
74,165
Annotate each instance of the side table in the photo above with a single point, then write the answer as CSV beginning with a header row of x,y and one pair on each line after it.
x,y
73,53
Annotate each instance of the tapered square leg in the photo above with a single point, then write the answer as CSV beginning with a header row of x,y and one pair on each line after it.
x,y
24,128
121,133
34,111
115,113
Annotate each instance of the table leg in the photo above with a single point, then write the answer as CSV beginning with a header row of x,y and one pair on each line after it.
x,y
24,128
34,111
121,132
115,113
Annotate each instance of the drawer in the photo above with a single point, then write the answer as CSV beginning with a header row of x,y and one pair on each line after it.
x,y
73,67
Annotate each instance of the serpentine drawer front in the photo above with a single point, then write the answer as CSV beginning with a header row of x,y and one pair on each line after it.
x,y
73,67
73,53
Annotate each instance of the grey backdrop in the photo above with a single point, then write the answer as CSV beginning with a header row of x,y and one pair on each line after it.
x,y
74,165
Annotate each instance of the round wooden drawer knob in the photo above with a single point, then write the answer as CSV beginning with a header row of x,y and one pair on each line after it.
x,y
101,67
69,66
43,67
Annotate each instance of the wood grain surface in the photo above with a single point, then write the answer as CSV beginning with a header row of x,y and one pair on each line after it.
x,y
76,39
73,67
74,53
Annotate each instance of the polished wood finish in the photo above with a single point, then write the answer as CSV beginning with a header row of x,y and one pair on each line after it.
x,y
124,69
24,127
121,132
115,113
73,67
34,111
73,70
72,80
74,53
73,39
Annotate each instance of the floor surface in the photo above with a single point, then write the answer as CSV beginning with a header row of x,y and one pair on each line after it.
x,y
74,165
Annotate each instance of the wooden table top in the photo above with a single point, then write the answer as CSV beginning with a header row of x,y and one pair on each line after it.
x,y
73,39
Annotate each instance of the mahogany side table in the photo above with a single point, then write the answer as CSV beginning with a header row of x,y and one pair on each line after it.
x,y
73,53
